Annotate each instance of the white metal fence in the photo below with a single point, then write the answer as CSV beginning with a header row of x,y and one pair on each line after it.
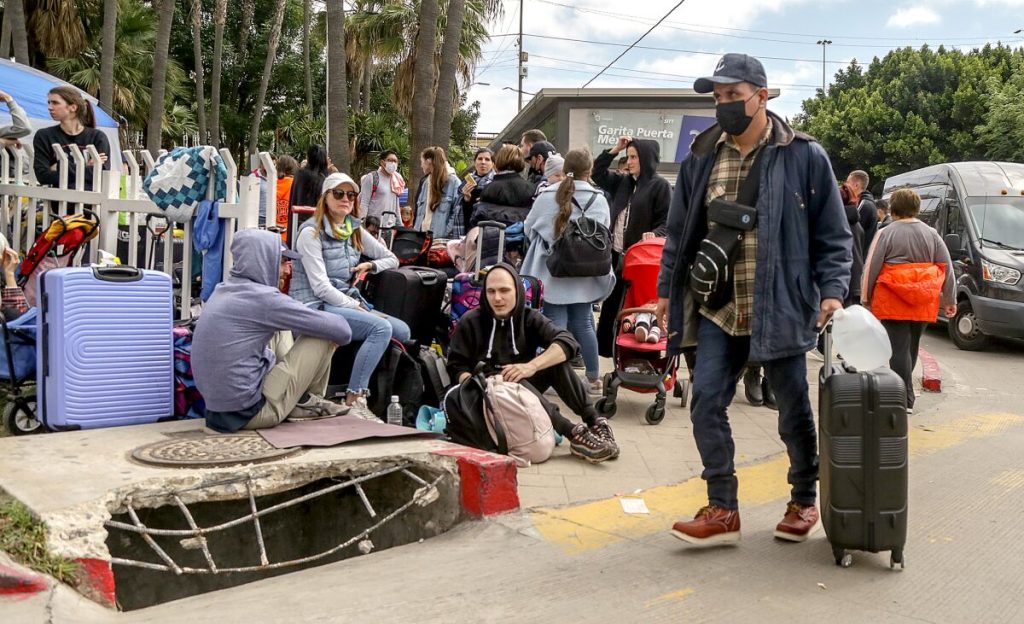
x,y
26,208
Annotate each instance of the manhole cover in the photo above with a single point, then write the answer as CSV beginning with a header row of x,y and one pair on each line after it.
x,y
220,450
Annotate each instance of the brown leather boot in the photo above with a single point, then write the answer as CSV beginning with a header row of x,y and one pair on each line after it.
x,y
798,523
711,526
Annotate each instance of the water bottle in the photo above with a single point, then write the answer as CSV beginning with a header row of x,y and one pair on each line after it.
x,y
395,411
860,338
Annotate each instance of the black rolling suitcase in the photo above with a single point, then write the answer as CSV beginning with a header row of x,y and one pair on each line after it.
x,y
411,293
863,460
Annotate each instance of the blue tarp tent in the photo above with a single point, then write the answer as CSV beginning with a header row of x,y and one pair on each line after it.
x,y
29,87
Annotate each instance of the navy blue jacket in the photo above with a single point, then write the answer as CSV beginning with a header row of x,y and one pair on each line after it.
x,y
803,243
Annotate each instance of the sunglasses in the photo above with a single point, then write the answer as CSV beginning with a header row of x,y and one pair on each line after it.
x,y
339,194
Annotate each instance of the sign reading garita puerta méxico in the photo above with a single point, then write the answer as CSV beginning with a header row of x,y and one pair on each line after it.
x,y
673,129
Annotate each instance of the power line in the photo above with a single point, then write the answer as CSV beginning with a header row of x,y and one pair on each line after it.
x,y
679,4
764,32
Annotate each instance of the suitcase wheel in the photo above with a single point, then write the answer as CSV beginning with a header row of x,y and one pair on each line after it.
x,y
896,556
843,558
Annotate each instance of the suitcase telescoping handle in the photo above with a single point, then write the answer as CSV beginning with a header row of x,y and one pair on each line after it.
x,y
827,345
483,225
117,274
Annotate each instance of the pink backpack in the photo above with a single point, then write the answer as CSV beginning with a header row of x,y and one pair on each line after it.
x,y
518,422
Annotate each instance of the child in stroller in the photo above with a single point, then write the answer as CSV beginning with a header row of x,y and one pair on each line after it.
x,y
642,363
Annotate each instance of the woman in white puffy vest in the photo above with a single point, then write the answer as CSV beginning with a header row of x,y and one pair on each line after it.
x,y
335,249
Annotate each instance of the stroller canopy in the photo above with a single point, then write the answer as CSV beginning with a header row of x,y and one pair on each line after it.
x,y
640,268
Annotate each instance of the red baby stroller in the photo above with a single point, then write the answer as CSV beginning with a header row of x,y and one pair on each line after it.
x,y
641,366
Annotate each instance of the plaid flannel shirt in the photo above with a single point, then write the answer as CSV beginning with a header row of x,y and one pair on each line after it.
x,y
727,175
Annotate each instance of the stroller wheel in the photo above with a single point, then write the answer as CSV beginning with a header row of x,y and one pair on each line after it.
x,y
655,413
605,407
20,417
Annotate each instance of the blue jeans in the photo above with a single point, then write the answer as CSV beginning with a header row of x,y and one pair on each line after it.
x,y
578,318
720,360
375,332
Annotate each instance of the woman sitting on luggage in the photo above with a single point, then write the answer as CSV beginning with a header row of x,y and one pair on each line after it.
x,y
437,203
907,272
568,301
333,245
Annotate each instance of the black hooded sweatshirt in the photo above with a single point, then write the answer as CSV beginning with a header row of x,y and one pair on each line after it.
x,y
649,203
480,337
867,213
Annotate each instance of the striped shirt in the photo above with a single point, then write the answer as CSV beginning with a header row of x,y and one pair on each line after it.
x,y
727,176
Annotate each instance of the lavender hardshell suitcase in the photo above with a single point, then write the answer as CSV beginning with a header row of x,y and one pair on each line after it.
x,y
106,351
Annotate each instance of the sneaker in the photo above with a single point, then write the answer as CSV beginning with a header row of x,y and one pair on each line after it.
x,y
585,445
601,429
798,523
654,335
594,387
361,410
711,526
641,332
316,407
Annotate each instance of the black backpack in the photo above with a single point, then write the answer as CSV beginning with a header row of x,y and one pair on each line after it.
x,y
397,373
463,407
584,248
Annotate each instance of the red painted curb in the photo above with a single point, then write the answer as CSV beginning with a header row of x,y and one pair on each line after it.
x,y
96,581
18,581
931,373
488,481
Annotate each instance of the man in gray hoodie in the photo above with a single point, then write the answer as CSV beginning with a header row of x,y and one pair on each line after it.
x,y
246,365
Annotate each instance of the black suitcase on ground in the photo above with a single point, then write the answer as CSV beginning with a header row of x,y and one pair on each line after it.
x,y
397,373
411,293
863,460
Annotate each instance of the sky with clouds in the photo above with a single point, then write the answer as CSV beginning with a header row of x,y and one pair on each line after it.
x,y
569,41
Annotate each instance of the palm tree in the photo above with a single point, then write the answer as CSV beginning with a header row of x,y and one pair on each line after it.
x,y
165,13
219,17
307,15
268,70
107,57
57,29
445,95
19,31
197,52
423,88
337,89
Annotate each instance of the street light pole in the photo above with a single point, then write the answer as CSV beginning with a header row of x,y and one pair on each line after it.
x,y
823,43
520,55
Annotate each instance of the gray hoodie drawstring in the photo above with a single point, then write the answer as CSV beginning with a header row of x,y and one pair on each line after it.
x,y
512,324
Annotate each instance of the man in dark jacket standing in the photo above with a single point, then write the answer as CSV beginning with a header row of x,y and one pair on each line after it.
x,y
791,272
867,212
639,205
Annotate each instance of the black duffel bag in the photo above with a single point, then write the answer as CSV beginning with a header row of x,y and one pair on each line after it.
x,y
409,245
584,249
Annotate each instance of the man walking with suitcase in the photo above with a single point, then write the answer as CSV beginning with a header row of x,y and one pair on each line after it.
x,y
789,272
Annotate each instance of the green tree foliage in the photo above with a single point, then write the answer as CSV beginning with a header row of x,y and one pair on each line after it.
x,y
1002,133
912,109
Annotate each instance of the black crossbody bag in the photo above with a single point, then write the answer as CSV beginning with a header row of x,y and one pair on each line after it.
x,y
711,274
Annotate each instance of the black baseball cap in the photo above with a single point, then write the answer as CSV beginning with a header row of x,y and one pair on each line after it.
x,y
290,254
733,68
542,148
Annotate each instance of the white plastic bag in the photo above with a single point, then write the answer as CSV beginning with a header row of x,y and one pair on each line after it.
x,y
860,338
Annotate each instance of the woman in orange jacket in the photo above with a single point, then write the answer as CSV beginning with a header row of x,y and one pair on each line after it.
x,y
907,274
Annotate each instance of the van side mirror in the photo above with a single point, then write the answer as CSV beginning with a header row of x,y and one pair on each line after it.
x,y
954,244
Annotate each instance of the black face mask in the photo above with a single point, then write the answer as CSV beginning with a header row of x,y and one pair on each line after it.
x,y
733,117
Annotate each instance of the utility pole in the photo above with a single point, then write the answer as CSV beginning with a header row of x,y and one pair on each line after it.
x,y
522,56
823,43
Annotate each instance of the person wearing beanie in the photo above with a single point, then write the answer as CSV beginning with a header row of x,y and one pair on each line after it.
x,y
552,173
337,252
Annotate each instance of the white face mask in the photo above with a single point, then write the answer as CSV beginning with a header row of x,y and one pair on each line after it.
x,y
390,167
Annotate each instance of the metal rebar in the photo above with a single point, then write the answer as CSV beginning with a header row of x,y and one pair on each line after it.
x,y
202,539
114,524
284,564
256,522
366,501
152,543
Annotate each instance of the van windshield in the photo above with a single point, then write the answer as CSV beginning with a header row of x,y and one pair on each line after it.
x,y
999,220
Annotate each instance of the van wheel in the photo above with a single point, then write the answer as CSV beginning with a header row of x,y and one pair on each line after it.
x,y
964,330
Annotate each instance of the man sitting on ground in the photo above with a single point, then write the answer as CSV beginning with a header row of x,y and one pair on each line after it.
x,y
246,365
523,345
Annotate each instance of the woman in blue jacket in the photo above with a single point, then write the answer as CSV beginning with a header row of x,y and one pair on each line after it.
x,y
438,210
568,301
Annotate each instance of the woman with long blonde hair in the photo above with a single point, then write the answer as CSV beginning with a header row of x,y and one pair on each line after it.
x,y
337,253
437,204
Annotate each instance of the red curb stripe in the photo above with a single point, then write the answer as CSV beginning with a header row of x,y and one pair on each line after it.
x,y
931,373
17,581
96,581
488,482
